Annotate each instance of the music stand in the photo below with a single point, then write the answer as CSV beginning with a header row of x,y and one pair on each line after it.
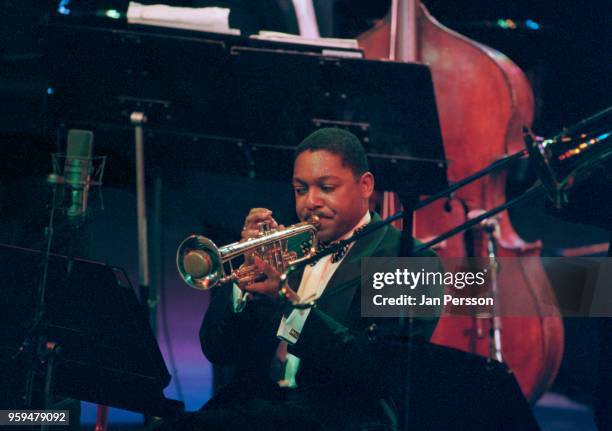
x,y
248,103
390,106
106,352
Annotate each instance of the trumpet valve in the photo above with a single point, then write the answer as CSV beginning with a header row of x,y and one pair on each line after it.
x,y
289,257
246,275
264,228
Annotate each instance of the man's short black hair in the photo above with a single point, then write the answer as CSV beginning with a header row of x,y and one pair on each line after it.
x,y
340,142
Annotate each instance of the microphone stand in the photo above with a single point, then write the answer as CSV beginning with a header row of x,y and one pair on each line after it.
x,y
36,344
43,351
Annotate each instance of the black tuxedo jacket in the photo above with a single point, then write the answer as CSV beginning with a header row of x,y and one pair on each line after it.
x,y
337,359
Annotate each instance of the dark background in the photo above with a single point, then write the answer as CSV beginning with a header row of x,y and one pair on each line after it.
x,y
568,62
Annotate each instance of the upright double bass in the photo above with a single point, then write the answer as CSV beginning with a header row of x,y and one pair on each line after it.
x,y
484,100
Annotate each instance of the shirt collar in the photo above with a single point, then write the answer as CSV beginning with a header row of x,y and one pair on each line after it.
x,y
364,221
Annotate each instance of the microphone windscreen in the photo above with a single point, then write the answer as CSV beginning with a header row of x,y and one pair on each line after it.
x,y
78,156
80,143
76,169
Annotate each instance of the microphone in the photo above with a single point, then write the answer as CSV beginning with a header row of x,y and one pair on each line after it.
x,y
77,169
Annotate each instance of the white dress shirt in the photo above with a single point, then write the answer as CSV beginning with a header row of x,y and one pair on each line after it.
x,y
313,284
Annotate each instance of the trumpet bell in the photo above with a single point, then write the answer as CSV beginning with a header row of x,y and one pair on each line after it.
x,y
199,262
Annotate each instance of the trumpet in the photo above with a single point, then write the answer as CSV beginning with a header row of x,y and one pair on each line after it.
x,y
203,265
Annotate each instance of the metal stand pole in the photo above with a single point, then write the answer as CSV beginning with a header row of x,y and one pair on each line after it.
x,y
138,119
495,330
37,337
406,323
144,271
101,418
51,350
157,271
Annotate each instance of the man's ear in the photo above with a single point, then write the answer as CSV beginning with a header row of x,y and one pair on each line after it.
x,y
366,184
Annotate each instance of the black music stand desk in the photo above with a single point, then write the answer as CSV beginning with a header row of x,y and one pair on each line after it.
x,y
108,353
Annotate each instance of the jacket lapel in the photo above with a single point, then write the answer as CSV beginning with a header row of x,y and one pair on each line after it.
x,y
338,294
295,278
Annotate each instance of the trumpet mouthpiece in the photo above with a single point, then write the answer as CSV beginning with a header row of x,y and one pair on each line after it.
x,y
314,220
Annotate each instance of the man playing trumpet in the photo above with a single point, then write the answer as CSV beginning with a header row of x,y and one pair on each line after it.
x,y
310,368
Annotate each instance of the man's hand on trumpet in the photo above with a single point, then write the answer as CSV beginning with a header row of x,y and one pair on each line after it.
x,y
270,286
255,217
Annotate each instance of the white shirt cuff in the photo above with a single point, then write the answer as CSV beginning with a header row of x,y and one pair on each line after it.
x,y
239,299
291,326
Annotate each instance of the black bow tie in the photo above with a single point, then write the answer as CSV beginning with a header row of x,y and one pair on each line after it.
x,y
337,255
322,245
